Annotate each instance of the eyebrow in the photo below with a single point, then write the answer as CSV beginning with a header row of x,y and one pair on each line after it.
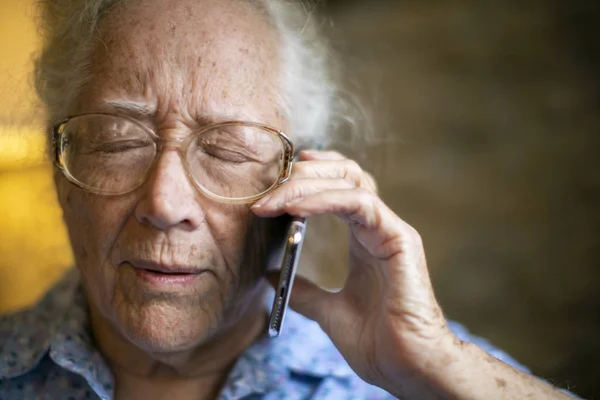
x,y
132,108
142,110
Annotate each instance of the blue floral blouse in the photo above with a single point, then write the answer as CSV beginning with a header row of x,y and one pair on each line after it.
x,y
47,352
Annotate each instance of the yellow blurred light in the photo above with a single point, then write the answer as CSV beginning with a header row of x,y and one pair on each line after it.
x,y
34,248
19,43
21,147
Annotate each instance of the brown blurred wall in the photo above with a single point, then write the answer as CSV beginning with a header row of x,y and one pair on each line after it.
x,y
488,142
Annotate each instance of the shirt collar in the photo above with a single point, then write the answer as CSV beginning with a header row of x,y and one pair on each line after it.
x,y
59,326
302,348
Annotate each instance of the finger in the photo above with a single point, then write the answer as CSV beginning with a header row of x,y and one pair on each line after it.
x,y
293,190
355,206
330,155
327,169
375,226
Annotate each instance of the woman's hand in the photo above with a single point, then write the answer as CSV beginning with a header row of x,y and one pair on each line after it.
x,y
385,321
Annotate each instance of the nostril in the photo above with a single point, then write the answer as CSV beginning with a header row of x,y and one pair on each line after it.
x,y
164,220
187,225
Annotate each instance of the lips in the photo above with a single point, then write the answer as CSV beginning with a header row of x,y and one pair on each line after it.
x,y
166,273
165,268
164,277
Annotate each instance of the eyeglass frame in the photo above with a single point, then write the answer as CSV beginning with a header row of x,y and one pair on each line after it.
x,y
181,144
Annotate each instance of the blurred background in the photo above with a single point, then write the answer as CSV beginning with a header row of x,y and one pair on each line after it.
x,y
486,138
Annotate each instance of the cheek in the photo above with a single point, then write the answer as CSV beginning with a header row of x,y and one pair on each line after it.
x,y
240,238
250,247
93,223
230,228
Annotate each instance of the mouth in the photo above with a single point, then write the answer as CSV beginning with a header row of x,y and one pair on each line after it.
x,y
161,275
167,272
165,269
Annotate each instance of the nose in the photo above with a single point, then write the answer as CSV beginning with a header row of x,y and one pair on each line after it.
x,y
169,198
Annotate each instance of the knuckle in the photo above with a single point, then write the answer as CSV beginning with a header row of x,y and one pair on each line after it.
x,y
352,172
397,246
295,190
369,182
353,166
365,197
413,235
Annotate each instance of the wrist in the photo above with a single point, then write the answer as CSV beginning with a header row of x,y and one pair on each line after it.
x,y
435,370
449,367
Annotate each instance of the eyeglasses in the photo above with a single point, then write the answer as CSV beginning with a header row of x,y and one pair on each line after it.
x,y
231,162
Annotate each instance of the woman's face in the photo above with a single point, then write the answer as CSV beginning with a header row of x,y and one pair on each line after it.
x,y
176,66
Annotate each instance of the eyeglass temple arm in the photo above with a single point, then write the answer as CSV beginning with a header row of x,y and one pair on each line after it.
x,y
291,155
56,143
288,158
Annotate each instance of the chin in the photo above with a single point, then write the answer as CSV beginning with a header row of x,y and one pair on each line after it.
x,y
161,328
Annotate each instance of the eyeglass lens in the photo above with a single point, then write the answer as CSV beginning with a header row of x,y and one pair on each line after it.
x,y
112,155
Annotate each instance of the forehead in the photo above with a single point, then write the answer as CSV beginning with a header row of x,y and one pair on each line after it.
x,y
187,57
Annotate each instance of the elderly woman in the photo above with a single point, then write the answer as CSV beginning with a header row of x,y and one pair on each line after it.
x,y
167,135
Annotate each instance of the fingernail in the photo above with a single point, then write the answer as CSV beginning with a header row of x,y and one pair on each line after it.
x,y
261,202
309,152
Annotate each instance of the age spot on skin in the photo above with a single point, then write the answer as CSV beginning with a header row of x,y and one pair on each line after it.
x,y
447,360
500,382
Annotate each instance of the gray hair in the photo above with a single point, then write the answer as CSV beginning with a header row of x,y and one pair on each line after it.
x,y
309,93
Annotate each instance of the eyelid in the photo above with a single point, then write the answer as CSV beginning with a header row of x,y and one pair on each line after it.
x,y
109,147
231,139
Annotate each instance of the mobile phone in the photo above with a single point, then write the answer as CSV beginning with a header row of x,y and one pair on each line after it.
x,y
289,264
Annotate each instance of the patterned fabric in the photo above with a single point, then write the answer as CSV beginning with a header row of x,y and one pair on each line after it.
x,y
47,352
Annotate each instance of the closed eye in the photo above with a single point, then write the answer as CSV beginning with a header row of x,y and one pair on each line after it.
x,y
236,156
121,146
